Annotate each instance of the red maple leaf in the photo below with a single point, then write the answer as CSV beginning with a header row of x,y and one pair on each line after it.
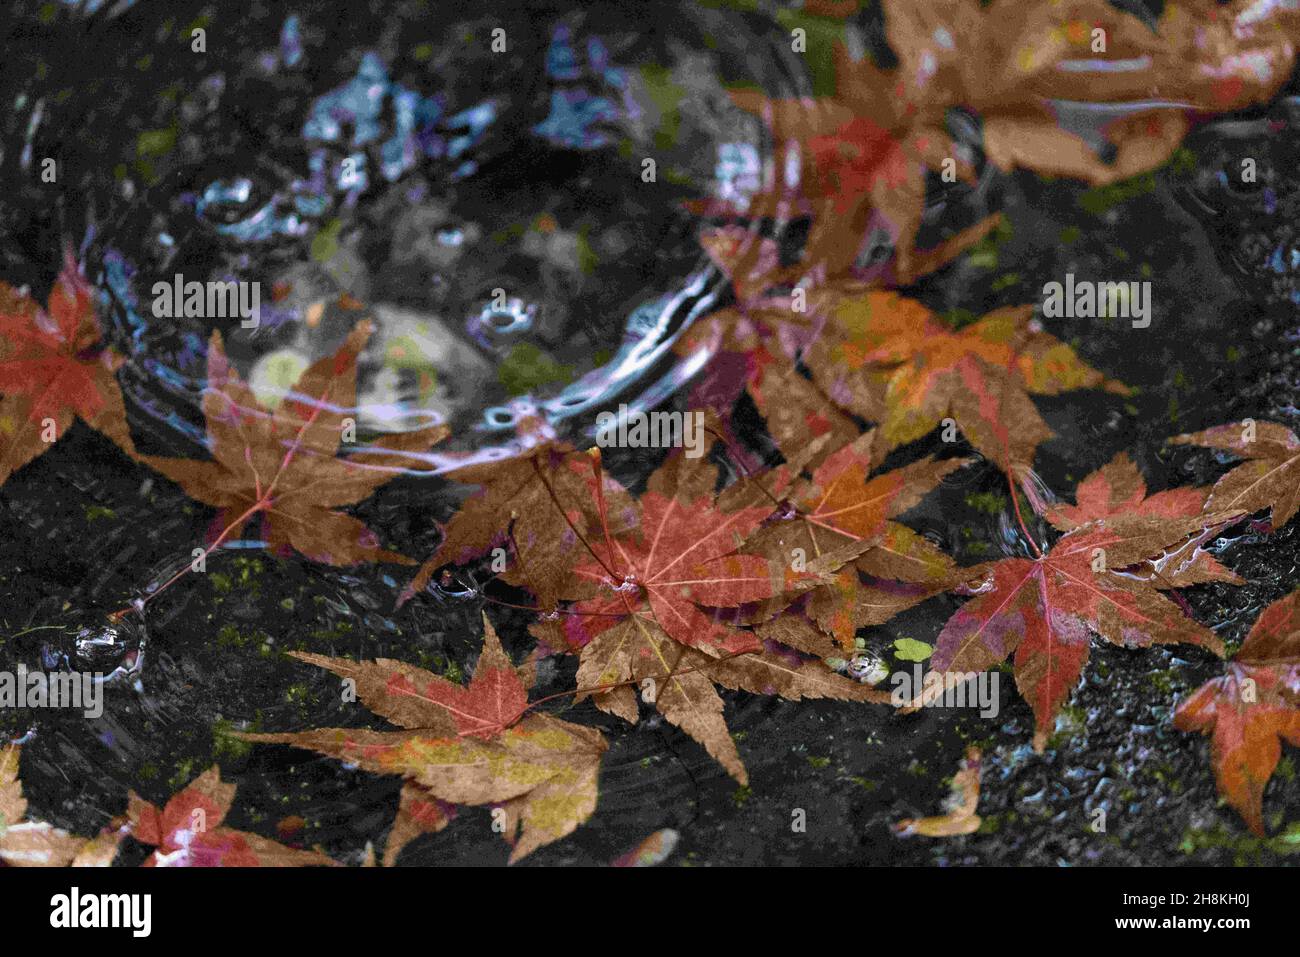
x,y
494,699
1044,610
680,558
1251,709
188,832
53,368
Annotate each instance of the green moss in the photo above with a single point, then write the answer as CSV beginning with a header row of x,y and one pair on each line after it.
x,y
667,97
325,244
959,317
155,143
741,795
513,231
454,672
1099,199
587,258
1183,161
152,145
224,743
526,368
818,762
990,503
183,775
984,254
1070,720
822,34
228,636
337,633
1162,681
95,512
1070,234
1246,848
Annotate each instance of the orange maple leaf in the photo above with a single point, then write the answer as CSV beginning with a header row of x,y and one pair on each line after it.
x,y
281,464
891,361
1251,709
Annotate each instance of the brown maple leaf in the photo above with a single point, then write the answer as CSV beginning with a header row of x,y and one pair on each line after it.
x,y
1044,610
1269,478
281,466
54,368
891,361
27,843
1251,709
1019,66
1118,489
865,150
842,503
533,507
188,832
472,745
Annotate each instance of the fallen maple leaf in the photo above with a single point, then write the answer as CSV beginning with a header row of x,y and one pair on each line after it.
x,y
754,348
532,506
864,153
188,832
1118,489
650,626
1044,610
891,361
54,368
959,817
1270,476
281,465
679,558
26,843
471,745
842,503
1019,66
1251,709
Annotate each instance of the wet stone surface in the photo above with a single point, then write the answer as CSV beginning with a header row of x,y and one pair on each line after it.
x,y
83,530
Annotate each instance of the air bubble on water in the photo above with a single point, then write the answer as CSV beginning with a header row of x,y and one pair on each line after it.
x,y
867,668
976,586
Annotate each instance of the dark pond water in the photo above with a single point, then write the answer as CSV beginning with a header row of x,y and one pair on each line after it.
x,y
489,210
